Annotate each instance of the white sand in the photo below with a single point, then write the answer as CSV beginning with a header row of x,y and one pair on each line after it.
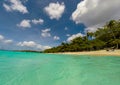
x,y
96,53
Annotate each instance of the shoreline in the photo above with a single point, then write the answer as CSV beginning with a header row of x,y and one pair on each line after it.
x,y
94,53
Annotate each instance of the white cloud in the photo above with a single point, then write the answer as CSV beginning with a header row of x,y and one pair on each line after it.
x,y
74,36
35,21
7,7
1,37
66,28
95,13
27,44
5,41
27,23
67,35
8,41
46,47
15,5
46,30
24,24
32,44
46,33
56,38
55,10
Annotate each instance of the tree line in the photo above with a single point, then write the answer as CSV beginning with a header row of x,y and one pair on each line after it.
x,y
103,38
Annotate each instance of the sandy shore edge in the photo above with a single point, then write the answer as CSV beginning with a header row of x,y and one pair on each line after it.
x,y
94,53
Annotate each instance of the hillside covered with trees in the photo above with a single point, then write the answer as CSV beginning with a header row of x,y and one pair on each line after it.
x,y
106,37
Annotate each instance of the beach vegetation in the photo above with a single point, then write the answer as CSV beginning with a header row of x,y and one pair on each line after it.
x,y
105,37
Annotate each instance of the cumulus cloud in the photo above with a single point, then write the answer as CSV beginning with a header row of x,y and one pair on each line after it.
x,y
32,44
56,38
5,41
24,24
15,5
55,10
94,13
35,21
46,33
27,44
27,23
74,36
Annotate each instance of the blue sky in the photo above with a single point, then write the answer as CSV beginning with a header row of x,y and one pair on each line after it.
x,y
41,24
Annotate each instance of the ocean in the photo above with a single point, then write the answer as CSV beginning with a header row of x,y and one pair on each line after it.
x,y
26,68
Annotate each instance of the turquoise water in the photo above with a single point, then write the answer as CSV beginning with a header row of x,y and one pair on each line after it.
x,y
21,68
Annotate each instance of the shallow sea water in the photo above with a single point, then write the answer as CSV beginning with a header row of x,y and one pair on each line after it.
x,y
22,68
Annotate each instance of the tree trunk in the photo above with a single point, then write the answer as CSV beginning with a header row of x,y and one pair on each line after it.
x,y
117,46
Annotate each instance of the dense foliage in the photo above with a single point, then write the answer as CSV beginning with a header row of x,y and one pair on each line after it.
x,y
106,37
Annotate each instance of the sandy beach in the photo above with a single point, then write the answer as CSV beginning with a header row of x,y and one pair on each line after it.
x,y
96,53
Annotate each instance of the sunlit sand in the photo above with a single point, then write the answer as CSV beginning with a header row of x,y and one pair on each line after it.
x,y
96,53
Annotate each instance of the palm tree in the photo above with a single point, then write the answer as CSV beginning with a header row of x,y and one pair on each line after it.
x,y
111,25
90,34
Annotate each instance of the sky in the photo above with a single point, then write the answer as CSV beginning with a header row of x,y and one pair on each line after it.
x,y
42,24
